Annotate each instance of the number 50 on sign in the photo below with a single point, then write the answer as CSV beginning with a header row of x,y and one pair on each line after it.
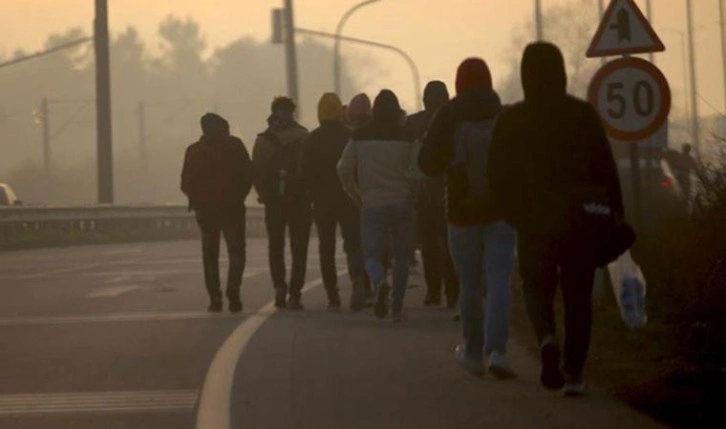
x,y
632,97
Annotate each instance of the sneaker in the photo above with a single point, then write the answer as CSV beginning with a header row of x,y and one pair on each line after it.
x,y
281,298
551,376
499,366
381,306
235,306
235,303
574,387
294,304
432,301
334,302
472,366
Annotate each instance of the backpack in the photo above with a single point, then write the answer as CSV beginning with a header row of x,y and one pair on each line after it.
x,y
471,151
212,176
283,177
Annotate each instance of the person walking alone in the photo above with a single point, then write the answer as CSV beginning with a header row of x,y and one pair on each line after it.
x,y
322,149
378,170
217,177
482,243
277,157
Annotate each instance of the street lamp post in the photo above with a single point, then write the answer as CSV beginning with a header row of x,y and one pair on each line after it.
x,y
412,65
103,103
336,47
723,46
695,126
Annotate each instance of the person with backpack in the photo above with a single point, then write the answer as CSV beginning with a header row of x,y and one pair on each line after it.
x,y
431,210
216,178
277,157
378,170
550,163
482,244
322,149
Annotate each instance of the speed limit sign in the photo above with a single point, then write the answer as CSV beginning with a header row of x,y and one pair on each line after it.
x,y
632,98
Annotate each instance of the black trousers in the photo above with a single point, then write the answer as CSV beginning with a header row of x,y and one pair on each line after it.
x,y
329,214
543,265
279,217
438,266
213,225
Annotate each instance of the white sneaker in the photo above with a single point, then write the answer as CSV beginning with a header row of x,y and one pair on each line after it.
x,y
472,366
499,366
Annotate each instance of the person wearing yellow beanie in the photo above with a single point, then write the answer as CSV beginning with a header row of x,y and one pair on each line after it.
x,y
331,206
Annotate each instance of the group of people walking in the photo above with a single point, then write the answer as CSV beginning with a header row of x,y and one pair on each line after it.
x,y
486,183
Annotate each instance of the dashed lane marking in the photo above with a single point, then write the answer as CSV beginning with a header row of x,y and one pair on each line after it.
x,y
99,402
113,291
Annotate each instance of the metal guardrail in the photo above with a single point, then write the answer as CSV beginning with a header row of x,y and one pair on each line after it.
x,y
47,226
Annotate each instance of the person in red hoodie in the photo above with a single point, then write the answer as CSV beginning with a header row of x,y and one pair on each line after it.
x,y
482,244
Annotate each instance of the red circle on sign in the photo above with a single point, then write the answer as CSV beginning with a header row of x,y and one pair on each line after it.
x,y
652,72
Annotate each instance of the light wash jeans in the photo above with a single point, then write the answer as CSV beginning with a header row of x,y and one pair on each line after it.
x,y
377,225
484,260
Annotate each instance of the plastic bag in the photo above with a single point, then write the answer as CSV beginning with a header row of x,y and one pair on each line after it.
x,y
629,287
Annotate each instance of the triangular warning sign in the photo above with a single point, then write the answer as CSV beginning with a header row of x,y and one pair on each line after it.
x,y
624,30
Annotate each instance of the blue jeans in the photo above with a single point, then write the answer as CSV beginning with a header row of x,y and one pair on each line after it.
x,y
378,224
484,260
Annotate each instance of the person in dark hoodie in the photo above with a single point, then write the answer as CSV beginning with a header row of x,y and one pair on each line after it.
x,y
378,170
322,149
217,177
482,243
277,159
547,150
431,209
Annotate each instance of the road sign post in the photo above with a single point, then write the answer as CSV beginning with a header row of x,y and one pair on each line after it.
x,y
631,95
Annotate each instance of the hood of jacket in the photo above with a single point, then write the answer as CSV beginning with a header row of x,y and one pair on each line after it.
x,y
435,96
476,105
543,72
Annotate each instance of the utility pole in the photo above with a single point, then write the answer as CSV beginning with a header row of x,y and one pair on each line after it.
x,y
695,126
45,125
103,104
143,151
538,20
291,54
723,47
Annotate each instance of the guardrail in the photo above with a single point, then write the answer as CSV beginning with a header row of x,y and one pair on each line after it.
x,y
24,227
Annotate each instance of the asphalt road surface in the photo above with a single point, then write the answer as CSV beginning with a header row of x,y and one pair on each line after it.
x,y
118,336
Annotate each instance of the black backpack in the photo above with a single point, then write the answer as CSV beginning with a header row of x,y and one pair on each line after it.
x,y
283,177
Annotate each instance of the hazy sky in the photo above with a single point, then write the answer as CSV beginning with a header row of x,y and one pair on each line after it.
x,y
437,34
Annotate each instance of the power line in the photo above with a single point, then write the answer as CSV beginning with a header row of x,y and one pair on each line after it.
x,y
68,122
711,106
46,52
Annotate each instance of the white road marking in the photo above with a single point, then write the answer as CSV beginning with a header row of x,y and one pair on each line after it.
x,y
45,274
99,402
117,317
112,291
214,410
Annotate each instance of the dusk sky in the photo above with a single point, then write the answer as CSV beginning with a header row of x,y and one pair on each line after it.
x,y
438,35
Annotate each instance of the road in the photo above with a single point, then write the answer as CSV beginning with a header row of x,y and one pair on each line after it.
x,y
118,336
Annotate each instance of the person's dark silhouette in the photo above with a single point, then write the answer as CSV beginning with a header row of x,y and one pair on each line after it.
x,y
431,210
280,186
216,177
550,153
322,149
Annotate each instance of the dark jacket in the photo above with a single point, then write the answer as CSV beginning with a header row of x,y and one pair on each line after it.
x,y
322,149
549,150
264,152
232,177
437,153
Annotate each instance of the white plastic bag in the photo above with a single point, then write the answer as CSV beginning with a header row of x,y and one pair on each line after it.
x,y
629,287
